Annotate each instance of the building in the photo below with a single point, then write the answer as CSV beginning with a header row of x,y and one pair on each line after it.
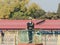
x,y
46,32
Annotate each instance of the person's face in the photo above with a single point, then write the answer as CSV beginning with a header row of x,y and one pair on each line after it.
x,y
30,20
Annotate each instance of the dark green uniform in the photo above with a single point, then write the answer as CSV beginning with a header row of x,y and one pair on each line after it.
x,y
30,27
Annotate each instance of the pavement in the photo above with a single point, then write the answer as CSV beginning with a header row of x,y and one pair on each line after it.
x,y
30,44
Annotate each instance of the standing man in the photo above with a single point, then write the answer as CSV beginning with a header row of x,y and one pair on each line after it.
x,y
2,36
30,27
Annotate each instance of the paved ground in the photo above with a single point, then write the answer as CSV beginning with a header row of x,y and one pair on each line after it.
x,y
25,44
21,44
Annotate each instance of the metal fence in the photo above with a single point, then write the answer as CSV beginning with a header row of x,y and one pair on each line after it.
x,y
21,36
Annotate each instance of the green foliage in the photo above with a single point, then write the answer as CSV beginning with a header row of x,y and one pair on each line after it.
x,y
18,9
23,12
35,11
58,11
6,6
50,15
9,7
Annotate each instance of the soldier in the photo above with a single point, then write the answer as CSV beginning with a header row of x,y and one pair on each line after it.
x,y
2,36
30,27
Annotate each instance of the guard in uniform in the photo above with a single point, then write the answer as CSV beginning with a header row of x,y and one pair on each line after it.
x,y
30,27
2,36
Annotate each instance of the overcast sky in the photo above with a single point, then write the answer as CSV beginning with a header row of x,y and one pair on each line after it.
x,y
47,5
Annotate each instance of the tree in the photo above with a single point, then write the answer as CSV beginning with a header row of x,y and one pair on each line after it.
x,y
58,11
50,15
17,9
9,7
35,11
20,10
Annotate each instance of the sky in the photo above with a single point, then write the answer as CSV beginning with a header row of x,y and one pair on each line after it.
x,y
47,5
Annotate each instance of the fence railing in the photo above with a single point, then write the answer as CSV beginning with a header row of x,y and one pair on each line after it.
x,y
22,37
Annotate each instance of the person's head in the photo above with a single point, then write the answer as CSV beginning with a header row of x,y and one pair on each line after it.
x,y
30,18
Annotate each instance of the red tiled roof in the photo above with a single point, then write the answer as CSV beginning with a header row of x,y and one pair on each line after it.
x,y
21,24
